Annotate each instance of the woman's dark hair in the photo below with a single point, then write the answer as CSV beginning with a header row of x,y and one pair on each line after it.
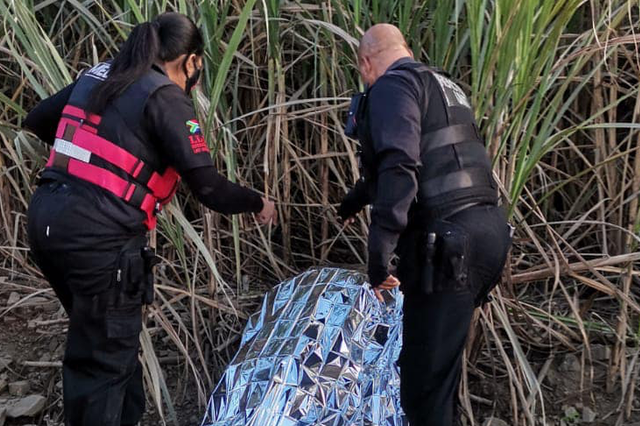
x,y
163,39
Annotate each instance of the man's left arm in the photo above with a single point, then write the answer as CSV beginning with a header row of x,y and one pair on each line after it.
x,y
395,117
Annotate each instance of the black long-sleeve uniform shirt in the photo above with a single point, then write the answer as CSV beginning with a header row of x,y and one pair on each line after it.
x,y
395,108
166,112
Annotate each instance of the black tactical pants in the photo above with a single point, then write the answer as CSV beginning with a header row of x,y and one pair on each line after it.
x,y
85,265
436,324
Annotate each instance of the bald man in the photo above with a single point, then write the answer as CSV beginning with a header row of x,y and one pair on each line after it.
x,y
428,176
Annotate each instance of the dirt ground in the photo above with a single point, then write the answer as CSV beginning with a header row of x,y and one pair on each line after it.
x,y
32,344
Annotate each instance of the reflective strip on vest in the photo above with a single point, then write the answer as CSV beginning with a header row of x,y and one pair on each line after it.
x,y
101,147
70,150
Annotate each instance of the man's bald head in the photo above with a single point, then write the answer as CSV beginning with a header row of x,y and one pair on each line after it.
x,y
382,39
381,46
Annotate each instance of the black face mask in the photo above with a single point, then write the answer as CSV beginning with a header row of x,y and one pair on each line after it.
x,y
192,80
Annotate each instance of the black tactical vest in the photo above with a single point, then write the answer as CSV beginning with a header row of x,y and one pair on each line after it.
x,y
114,150
456,170
123,119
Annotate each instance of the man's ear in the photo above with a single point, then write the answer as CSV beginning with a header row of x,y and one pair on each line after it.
x,y
365,65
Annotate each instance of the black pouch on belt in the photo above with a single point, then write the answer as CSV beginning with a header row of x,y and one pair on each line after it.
x,y
427,277
445,266
130,273
150,260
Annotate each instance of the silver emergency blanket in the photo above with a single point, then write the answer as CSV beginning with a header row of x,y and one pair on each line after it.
x,y
322,350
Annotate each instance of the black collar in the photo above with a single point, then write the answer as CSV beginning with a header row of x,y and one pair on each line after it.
x,y
159,68
400,62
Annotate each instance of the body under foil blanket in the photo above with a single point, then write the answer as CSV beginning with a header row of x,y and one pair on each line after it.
x,y
321,351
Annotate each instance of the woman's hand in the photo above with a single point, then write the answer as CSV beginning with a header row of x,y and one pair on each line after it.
x,y
269,214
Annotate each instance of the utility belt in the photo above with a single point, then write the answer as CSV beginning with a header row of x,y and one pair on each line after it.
x,y
444,249
133,276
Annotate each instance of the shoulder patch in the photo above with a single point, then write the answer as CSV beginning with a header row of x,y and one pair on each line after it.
x,y
100,71
453,94
194,127
197,141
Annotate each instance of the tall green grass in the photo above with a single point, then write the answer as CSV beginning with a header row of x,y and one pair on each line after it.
x,y
554,85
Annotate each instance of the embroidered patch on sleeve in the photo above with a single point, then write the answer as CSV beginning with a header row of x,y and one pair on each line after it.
x,y
194,127
198,143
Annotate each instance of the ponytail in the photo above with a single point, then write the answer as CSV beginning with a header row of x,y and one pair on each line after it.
x,y
165,39
138,54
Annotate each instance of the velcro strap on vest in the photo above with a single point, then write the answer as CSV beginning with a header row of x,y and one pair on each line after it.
x,y
77,142
99,146
79,113
143,172
58,160
461,179
134,194
450,135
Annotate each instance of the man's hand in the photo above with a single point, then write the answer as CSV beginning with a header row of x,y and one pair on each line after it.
x,y
353,203
269,214
387,284
348,221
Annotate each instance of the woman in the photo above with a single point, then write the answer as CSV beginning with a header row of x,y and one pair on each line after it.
x,y
123,134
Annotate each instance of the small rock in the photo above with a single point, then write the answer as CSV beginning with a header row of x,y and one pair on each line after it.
x,y
5,362
14,298
494,421
20,388
571,364
600,352
571,415
3,384
59,352
588,415
26,407
3,415
553,377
